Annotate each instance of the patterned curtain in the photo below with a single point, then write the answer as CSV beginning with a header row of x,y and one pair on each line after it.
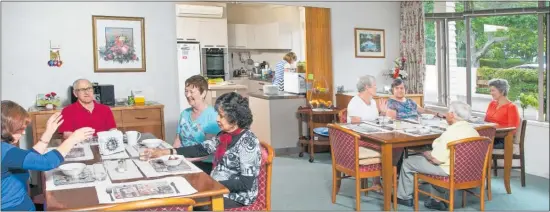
x,y
412,45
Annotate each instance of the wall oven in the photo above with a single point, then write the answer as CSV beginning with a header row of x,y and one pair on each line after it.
x,y
214,62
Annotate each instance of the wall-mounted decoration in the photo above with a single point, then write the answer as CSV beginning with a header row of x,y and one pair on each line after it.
x,y
370,43
119,44
55,56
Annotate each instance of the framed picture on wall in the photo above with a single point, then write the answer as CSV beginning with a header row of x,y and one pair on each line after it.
x,y
119,44
370,43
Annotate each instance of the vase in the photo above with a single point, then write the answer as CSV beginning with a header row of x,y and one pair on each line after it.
x,y
49,106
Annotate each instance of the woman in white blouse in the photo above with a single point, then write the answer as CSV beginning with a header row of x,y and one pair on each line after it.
x,y
363,107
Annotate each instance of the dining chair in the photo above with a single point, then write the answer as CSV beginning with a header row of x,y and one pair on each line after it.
x,y
469,159
489,132
164,204
518,152
263,201
344,148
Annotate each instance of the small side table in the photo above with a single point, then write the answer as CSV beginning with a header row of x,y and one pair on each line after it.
x,y
313,120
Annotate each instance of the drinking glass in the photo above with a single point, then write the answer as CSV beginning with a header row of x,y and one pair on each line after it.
x,y
144,154
99,172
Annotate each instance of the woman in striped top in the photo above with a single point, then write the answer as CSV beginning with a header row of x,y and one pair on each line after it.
x,y
278,79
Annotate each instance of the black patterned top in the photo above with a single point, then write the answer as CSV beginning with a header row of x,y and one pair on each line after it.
x,y
239,167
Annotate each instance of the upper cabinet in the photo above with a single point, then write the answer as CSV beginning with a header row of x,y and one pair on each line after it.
x,y
260,36
188,28
238,35
213,33
204,23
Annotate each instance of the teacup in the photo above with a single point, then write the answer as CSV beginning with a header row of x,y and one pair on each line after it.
x,y
133,137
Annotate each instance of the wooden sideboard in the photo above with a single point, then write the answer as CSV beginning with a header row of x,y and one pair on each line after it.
x,y
147,118
342,99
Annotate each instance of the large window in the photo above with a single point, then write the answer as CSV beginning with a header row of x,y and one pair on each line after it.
x,y
503,44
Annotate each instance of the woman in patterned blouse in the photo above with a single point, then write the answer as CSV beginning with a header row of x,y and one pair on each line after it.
x,y
237,155
400,107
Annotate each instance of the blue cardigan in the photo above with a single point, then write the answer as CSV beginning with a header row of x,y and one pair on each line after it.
x,y
15,165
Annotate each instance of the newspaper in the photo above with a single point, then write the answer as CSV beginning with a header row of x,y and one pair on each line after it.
x,y
78,153
153,168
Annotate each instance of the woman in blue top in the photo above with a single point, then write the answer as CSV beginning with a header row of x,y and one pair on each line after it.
x,y
17,162
278,79
400,107
197,123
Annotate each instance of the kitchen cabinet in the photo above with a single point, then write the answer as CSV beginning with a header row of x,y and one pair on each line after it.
x,y
188,28
237,35
215,91
213,32
257,85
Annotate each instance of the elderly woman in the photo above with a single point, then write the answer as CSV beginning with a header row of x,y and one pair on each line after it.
x,y
197,122
501,110
17,162
363,107
278,79
236,150
400,107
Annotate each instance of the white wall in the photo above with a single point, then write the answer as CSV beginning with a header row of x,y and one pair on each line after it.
x,y
27,29
537,149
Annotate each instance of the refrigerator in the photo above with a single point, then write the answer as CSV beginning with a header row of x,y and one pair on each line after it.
x,y
189,64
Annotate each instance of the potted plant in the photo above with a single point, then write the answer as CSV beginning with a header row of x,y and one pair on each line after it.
x,y
301,66
527,100
51,100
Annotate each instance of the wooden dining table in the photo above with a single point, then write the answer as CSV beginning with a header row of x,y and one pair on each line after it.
x,y
209,191
388,141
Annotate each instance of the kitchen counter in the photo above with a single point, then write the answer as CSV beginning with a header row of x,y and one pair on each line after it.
x,y
283,95
225,87
260,79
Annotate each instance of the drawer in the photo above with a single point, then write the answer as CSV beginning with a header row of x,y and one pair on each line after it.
x,y
141,116
118,117
41,120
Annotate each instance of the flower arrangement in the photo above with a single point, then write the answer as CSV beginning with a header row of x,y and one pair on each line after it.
x,y
399,69
49,99
119,50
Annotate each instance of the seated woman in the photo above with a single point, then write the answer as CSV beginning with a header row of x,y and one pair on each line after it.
x,y
198,122
400,107
237,155
363,107
17,162
501,110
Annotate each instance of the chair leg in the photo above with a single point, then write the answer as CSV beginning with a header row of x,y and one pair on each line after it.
x,y
357,194
395,188
489,179
495,170
335,185
482,199
463,198
415,203
366,186
451,199
522,163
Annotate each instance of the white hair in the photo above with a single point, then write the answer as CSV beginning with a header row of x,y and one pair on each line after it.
x,y
366,80
501,85
78,80
462,110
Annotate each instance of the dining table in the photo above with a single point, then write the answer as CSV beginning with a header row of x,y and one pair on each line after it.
x,y
387,142
209,191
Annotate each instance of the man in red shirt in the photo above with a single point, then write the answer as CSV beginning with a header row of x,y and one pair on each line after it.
x,y
86,112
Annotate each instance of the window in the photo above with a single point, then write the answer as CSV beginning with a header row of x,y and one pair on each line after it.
x,y
431,91
490,5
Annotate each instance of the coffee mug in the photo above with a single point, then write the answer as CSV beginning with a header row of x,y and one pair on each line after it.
x,y
133,137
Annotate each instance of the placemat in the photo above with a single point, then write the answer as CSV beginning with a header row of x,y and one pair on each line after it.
x,y
56,180
157,170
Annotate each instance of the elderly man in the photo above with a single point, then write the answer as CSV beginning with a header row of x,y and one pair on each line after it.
x,y
85,112
437,161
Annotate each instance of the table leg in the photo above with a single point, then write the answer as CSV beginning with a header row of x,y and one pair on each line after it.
x,y
387,174
217,203
508,153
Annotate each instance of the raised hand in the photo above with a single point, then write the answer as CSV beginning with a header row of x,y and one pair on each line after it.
x,y
383,105
51,126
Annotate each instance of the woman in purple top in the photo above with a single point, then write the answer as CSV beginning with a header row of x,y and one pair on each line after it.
x,y
400,107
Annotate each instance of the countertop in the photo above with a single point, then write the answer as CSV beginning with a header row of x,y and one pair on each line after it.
x,y
283,95
252,78
225,87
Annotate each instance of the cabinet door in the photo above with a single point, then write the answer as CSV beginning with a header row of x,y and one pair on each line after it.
x,y
284,40
213,33
237,35
251,36
188,28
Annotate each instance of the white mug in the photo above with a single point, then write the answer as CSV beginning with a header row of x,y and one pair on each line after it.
x,y
133,137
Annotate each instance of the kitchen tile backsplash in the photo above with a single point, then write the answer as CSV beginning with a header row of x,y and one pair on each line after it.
x,y
240,56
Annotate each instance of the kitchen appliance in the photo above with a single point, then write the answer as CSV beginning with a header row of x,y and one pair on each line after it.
x,y
214,62
271,89
104,94
295,82
189,64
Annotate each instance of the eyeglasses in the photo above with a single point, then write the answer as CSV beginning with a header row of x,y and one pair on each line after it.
x,y
82,90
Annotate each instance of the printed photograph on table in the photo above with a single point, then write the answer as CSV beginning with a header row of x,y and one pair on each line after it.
x,y
86,176
159,166
140,190
370,43
119,44
76,152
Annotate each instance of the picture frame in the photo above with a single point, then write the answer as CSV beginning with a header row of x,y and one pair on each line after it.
x,y
370,43
118,44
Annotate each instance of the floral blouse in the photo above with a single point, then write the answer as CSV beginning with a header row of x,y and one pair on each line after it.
x,y
405,110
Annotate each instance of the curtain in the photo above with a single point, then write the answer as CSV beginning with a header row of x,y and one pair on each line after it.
x,y
412,45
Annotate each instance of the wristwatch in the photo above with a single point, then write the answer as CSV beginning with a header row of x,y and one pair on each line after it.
x,y
171,151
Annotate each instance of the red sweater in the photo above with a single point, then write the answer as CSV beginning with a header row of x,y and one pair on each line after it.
x,y
505,116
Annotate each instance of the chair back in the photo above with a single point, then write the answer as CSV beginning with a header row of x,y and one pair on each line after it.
x,y
343,147
469,158
519,137
343,116
487,131
165,204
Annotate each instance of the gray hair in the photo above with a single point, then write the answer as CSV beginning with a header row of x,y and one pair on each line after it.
x,y
461,109
501,85
366,80
78,80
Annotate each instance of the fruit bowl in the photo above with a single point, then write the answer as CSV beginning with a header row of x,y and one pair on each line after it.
x,y
72,169
172,160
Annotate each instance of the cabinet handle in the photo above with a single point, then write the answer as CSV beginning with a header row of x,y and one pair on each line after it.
x,y
220,45
208,45
193,39
261,83
142,117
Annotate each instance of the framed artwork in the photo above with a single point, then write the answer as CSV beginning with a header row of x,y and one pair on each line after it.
x,y
370,43
119,44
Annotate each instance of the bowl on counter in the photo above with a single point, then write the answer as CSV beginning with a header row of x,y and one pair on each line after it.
x,y
152,143
271,89
72,169
428,116
172,160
